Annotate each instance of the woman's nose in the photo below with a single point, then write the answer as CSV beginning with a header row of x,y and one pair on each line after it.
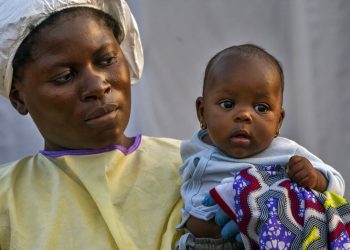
x,y
94,86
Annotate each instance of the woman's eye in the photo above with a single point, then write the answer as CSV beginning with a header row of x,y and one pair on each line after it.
x,y
261,108
64,77
226,104
108,60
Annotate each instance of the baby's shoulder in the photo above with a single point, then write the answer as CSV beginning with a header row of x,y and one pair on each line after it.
x,y
284,144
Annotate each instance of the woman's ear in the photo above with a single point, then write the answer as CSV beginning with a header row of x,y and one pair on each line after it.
x,y
200,111
16,97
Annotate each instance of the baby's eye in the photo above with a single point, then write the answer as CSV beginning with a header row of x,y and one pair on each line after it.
x,y
261,108
226,104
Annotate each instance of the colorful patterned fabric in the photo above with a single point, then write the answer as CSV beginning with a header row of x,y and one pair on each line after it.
x,y
272,212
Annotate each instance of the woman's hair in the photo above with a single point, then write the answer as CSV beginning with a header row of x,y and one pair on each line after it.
x,y
23,54
245,50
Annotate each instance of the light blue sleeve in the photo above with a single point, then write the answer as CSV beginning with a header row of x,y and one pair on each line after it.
x,y
336,183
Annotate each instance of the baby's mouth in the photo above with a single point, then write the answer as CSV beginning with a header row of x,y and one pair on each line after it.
x,y
241,138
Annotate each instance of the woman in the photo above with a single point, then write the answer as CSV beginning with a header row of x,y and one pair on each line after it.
x,y
70,64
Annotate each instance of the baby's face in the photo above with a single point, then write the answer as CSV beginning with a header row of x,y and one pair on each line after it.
x,y
242,105
77,87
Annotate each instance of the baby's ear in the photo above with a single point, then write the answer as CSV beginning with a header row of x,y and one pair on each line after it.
x,y
16,97
200,109
282,115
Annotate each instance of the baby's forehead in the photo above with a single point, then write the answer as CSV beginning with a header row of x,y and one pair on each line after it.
x,y
238,63
237,59
232,73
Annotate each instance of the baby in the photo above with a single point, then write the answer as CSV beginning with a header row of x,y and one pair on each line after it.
x,y
240,115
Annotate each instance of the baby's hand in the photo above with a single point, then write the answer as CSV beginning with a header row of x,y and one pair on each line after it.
x,y
301,171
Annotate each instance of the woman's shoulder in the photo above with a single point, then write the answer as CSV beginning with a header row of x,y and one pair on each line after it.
x,y
10,168
10,173
161,143
162,148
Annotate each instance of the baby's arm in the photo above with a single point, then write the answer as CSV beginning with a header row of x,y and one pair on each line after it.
x,y
301,171
335,182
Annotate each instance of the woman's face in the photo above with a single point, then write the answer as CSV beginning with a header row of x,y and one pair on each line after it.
x,y
77,85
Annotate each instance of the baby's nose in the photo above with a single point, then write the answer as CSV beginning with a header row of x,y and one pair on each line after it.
x,y
243,115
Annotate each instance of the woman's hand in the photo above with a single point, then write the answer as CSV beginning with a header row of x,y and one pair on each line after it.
x,y
229,228
202,228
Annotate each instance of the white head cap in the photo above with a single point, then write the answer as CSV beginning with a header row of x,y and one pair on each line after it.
x,y
18,17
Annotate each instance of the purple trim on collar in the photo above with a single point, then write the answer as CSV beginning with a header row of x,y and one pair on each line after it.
x,y
124,150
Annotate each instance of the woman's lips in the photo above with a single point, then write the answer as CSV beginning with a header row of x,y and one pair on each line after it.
x,y
101,111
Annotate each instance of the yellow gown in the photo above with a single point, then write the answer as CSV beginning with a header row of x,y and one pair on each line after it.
x,y
93,200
